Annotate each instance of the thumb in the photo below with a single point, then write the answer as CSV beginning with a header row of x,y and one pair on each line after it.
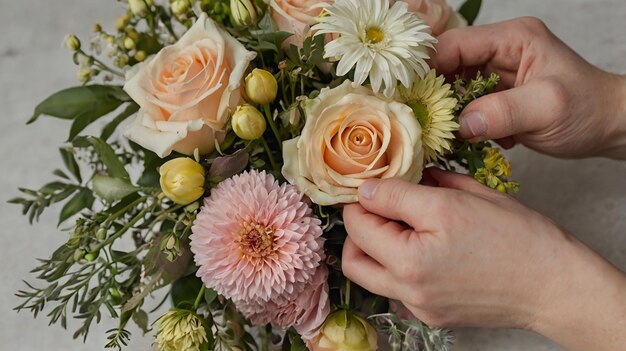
x,y
525,109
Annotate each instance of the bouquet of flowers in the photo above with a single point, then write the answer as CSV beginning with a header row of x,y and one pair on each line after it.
x,y
243,127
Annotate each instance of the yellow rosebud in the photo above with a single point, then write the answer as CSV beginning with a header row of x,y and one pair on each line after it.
x,y
182,180
248,122
72,42
344,330
245,12
261,86
138,7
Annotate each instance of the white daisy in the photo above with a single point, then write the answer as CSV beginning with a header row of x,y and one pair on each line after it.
x,y
386,44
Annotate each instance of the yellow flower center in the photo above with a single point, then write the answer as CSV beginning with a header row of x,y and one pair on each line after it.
x,y
256,240
420,111
374,35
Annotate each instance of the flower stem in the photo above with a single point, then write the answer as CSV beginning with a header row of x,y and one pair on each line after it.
x,y
199,298
272,123
348,288
268,151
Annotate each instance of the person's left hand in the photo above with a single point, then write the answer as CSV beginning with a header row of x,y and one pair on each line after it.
x,y
456,254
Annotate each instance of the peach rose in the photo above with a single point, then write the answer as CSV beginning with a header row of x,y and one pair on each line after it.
x,y
296,16
351,135
437,14
187,90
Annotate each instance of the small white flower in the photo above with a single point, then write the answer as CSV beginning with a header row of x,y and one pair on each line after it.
x,y
386,44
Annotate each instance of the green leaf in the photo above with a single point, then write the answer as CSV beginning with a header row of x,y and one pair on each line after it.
x,y
84,199
112,189
112,126
114,166
84,102
470,10
209,296
140,317
70,163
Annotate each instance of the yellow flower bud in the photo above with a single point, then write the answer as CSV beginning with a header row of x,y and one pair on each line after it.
x,y
138,7
129,43
182,180
248,122
245,12
179,7
344,330
261,86
122,61
140,55
97,28
84,75
121,22
72,42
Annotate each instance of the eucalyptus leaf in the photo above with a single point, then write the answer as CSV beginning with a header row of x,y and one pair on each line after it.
x,y
84,102
112,189
84,199
114,166
470,10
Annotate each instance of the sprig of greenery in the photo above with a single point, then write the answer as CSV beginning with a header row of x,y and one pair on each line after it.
x,y
408,335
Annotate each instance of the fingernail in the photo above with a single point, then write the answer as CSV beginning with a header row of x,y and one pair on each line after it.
x,y
473,124
367,190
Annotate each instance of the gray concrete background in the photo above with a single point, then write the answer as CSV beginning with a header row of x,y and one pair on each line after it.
x,y
588,197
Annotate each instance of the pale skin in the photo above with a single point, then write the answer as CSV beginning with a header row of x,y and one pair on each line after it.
x,y
456,253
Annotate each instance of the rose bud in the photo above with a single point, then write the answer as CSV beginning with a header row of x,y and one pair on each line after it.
x,y
248,122
182,180
245,12
344,330
261,87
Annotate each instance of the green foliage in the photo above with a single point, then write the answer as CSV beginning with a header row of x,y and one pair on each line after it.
x,y
468,91
108,157
409,335
470,10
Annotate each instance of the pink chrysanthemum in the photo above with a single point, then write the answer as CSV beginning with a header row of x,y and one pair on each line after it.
x,y
305,312
256,240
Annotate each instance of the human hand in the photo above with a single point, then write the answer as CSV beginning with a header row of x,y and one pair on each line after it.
x,y
555,102
464,255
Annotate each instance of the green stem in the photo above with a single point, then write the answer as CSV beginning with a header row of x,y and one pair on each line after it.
x,y
273,126
121,232
268,151
199,298
348,288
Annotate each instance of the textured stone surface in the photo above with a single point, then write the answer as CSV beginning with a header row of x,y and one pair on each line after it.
x,y
588,197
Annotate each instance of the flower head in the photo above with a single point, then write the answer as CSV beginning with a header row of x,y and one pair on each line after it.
x,y
305,312
248,123
180,330
256,240
386,44
433,105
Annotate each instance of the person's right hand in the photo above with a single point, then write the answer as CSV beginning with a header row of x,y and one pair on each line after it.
x,y
553,100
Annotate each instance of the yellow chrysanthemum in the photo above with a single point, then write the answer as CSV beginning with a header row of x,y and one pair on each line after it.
x,y
180,330
432,102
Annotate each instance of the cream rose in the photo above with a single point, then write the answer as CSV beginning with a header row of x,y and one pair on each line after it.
x,y
296,16
187,90
437,14
351,135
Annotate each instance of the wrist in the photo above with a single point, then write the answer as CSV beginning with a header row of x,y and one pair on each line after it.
x,y
584,306
615,141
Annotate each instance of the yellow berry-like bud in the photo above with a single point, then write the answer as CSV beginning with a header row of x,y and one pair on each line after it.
x,y
121,22
72,42
84,75
245,12
122,61
182,180
140,55
179,7
138,7
248,122
261,86
129,43
97,28
344,330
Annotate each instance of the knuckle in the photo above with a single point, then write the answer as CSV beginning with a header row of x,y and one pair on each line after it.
x,y
557,93
534,26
